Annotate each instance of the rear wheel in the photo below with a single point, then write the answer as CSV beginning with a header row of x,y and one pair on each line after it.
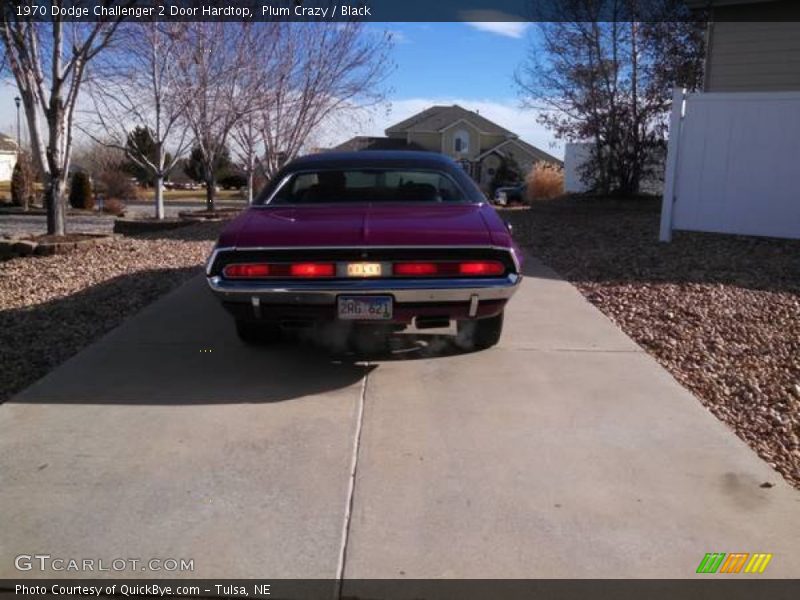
x,y
480,333
253,332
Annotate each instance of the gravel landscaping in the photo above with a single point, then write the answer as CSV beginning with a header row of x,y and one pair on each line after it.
x,y
721,313
53,306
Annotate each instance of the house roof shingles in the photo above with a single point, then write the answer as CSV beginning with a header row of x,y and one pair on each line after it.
x,y
537,153
437,118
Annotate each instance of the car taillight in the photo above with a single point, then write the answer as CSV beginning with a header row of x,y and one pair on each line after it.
x,y
473,268
261,270
415,268
246,270
312,270
481,267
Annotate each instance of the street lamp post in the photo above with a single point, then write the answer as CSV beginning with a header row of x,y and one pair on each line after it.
x,y
17,101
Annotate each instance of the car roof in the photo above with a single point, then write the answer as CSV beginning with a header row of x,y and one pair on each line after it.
x,y
372,158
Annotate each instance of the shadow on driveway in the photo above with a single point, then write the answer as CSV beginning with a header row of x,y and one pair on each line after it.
x,y
35,339
188,374
180,350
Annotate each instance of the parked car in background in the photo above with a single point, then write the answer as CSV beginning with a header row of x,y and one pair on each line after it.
x,y
510,194
378,238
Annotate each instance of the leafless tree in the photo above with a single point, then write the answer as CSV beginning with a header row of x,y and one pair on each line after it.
x,y
136,85
602,71
220,80
247,148
98,156
48,61
320,71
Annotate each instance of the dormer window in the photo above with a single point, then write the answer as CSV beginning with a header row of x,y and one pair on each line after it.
x,y
461,141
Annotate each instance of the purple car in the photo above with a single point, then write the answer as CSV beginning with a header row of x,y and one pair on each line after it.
x,y
369,238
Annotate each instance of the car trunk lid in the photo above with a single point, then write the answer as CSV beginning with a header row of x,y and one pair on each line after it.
x,y
364,225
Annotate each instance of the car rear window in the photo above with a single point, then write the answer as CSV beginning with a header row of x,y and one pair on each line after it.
x,y
366,185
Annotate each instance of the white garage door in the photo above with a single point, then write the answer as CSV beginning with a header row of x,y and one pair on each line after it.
x,y
734,165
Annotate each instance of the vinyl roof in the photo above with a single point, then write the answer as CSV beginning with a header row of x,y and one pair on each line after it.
x,y
373,158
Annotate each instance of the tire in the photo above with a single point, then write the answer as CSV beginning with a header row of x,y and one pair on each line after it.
x,y
251,332
480,333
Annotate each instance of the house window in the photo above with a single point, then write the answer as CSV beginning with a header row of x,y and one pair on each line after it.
x,y
461,141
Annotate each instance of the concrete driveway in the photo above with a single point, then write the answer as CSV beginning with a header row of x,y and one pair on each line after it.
x,y
564,452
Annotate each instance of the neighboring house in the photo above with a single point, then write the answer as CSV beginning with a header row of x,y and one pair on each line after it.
x,y
753,45
8,157
732,157
474,141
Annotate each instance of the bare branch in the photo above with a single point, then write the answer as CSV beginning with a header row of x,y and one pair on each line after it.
x,y
49,77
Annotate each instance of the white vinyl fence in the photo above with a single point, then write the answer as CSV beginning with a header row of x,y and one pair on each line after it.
x,y
733,164
575,156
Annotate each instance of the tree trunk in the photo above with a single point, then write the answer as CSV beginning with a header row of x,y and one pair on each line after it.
x,y
211,184
56,212
35,139
250,188
159,197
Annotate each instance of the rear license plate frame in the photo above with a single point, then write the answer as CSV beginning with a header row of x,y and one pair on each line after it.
x,y
370,307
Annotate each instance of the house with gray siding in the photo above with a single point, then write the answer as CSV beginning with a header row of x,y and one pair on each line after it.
x,y
753,45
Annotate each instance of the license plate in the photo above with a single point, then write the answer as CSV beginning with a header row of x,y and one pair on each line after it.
x,y
363,269
365,308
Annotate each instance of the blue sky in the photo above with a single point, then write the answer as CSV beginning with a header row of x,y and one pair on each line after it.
x,y
471,64
455,59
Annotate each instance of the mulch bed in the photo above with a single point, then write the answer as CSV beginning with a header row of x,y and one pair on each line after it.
x,y
721,313
53,306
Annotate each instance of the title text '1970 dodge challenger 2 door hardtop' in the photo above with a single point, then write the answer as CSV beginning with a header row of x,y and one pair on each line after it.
x,y
370,238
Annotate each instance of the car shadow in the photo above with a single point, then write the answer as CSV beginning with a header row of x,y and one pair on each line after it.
x,y
181,349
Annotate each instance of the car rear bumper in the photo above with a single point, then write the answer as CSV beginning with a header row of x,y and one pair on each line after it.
x,y
454,298
403,290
